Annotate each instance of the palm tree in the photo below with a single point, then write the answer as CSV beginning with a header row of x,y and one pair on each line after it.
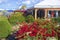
x,y
23,7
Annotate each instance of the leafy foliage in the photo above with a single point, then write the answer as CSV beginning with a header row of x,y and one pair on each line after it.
x,y
17,17
30,18
56,19
5,27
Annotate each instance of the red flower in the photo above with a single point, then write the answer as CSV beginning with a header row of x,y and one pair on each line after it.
x,y
43,31
53,33
35,23
20,32
23,29
33,33
32,27
48,35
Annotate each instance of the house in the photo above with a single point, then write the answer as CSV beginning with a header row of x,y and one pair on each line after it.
x,y
47,8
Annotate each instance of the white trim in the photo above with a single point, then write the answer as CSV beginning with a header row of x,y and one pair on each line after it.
x,y
47,6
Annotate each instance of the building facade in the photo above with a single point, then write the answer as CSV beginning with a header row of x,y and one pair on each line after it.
x,y
47,9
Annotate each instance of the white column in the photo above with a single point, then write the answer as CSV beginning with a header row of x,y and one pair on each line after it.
x,y
56,13
46,14
35,14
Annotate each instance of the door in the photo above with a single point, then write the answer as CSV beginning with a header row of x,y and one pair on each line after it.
x,y
41,13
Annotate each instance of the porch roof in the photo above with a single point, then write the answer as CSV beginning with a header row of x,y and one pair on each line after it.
x,y
48,4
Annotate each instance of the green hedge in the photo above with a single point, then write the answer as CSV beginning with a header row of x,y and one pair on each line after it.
x,y
5,27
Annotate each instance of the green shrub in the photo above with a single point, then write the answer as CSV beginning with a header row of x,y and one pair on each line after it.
x,y
5,27
29,18
17,17
56,19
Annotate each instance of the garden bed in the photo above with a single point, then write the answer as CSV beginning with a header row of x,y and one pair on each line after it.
x,y
26,28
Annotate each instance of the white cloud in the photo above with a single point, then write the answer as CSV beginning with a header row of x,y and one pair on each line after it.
x,y
1,1
17,2
1,9
8,4
20,7
33,0
26,2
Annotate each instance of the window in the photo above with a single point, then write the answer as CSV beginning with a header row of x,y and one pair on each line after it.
x,y
51,13
58,13
41,13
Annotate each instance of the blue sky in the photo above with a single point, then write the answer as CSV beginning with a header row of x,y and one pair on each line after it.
x,y
15,4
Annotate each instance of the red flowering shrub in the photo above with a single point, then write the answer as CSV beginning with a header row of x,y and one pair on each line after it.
x,y
33,33
35,29
23,29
